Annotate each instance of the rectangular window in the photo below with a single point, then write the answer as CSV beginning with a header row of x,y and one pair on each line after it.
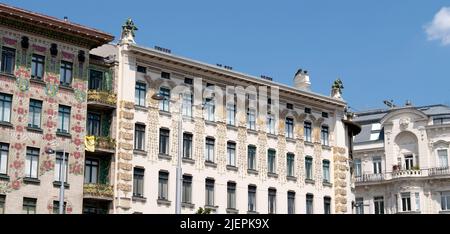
x,y
271,154
291,202
37,66
140,92
359,205
376,165
445,200
289,128
165,75
34,114
5,107
187,189
324,114
209,192
187,145
231,195
231,153
251,119
307,131
164,141
290,163
164,104
358,168
93,124
91,171
417,201
309,204
324,136
378,203
95,80
139,136
307,110
141,69
29,205
56,207
32,163
163,188
64,119
409,162
289,106
251,163
188,81
4,151
209,109
209,149
406,201
326,171
187,104
65,73
308,168
8,60
327,205
59,168
270,124
252,198
2,204
272,201
138,182
443,158
231,114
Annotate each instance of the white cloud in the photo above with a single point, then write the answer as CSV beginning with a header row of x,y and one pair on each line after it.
x,y
439,28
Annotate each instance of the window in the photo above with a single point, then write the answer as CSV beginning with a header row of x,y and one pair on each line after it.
x,y
358,169
140,91
324,135
29,205
95,80
65,73
307,110
326,171
4,150
165,75
445,200
251,119
271,160
141,69
252,198
443,158
5,107
231,153
32,163
63,119
37,66
163,189
291,202
93,124
8,59
187,189
417,202
309,204
188,81
308,168
290,164
359,205
164,141
324,114
138,182
251,157
289,106
58,167
307,131
289,128
139,136
91,171
406,201
409,162
376,165
165,102
56,207
378,203
231,114
210,109
375,132
441,120
209,149
270,124
327,205
209,192
187,104
2,204
187,145
231,195
272,201
34,114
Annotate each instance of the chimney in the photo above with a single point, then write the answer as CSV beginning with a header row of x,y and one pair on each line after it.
x,y
301,80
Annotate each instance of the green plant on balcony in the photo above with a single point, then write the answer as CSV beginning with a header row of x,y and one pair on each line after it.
x,y
99,190
415,168
106,97
105,142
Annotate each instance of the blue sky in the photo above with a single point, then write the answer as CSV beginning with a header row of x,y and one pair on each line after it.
x,y
379,49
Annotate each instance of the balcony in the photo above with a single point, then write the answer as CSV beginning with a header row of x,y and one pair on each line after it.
x,y
98,191
104,99
100,144
369,178
439,171
408,173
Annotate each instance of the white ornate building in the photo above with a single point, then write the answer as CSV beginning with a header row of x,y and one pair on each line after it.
x,y
401,160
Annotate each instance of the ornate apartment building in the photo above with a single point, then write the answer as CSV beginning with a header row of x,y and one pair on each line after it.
x,y
43,89
401,160
248,144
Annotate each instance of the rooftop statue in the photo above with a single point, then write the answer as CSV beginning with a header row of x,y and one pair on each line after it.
x,y
128,31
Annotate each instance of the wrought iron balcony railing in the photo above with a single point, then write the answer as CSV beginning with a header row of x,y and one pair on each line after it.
x,y
102,97
98,191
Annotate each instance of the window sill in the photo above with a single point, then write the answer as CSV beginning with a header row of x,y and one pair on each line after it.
x,y
232,168
252,212
444,212
164,156
291,178
33,129
187,205
310,181
28,180
326,147
232,127
210,164
165,113
6,124
7,74
252,171
212,208
309,143
57,184
139,199
66,87
4,177
274,136
272,175
252,131
188,160
290,139
64,134
140,152
232,211
163,202
327,184
141,108
209,122
188,118
37,81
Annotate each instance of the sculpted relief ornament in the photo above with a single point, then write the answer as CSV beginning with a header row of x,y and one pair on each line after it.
x,y
336,89
404,123
128,32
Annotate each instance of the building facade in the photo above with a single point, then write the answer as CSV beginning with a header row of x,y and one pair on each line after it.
x,y
43,89
401,160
